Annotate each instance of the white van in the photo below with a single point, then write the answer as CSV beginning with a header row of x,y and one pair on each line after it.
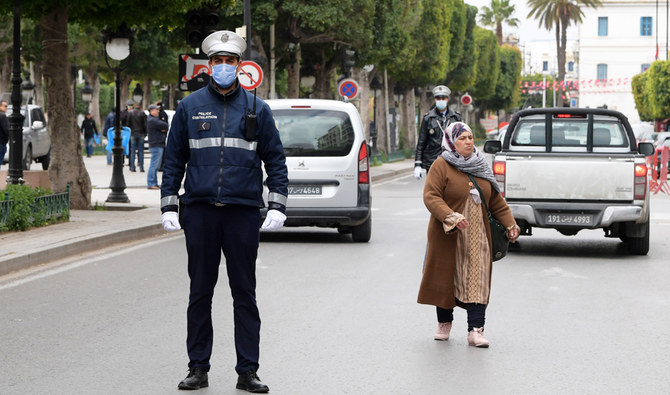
x,y
328,165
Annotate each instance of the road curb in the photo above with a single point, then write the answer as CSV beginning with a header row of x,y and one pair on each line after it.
x,y
48,255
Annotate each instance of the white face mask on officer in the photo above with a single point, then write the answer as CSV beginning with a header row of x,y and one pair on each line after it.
x,y
441,104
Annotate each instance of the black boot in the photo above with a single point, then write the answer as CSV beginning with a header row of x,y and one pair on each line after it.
x,y
249,381
197,378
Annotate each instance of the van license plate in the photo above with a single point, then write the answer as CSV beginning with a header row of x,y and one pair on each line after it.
x,y
304,189
570,219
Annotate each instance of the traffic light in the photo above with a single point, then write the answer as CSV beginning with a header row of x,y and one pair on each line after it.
x,y
348,61
200,24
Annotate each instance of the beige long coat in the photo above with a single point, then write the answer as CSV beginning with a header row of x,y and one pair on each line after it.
x,y
446,191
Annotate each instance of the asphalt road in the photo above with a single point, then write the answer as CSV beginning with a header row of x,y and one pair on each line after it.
x,y
567,315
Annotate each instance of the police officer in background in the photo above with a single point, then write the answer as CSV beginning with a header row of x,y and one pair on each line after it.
x,y
433,125
217,145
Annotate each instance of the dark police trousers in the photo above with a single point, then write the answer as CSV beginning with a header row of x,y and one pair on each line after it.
x,y
234,229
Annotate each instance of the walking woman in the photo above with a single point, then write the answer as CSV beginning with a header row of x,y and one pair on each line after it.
x,y
458,263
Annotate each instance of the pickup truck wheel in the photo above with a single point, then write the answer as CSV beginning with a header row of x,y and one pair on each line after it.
x,y
28,159
45,160
639,245
362,232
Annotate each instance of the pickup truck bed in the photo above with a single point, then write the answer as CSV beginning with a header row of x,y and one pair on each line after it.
x,y
574,169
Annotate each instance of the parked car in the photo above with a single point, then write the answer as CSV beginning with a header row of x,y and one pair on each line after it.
x,y
644,132
328,165
36,140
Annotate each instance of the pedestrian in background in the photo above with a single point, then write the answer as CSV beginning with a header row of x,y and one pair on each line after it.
x,y
458,260
162,115
156,133
433,126
4,130
137,121
109,124
221,154
88,128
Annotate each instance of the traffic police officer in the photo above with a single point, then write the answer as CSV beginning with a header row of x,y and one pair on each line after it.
x,y
433,125
219,146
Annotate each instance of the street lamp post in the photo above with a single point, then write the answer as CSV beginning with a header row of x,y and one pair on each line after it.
x,y
15,172
138,94
86,93
117,46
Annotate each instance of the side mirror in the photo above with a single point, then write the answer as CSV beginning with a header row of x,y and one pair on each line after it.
x,y
646,149
37,125
492,146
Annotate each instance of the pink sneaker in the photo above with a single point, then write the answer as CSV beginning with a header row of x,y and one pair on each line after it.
x,y
476,338
443,329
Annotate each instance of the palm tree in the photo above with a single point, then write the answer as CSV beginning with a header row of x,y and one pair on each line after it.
x,y
500,12
559,13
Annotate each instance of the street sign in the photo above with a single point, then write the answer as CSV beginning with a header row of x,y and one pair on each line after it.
x,y
251,75
466,99
193,71
349,88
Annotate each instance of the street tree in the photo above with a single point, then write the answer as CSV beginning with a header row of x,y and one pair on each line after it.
x,y
500,12
506,95
462,77
641,96
67,166
558,15
657,88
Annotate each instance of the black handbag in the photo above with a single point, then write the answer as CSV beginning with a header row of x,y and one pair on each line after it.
x,y
499,240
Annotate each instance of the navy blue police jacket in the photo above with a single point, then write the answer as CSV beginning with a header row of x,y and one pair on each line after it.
x,y
207,142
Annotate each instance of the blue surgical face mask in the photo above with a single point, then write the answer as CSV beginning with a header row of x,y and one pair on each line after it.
x,y
224,74
441,104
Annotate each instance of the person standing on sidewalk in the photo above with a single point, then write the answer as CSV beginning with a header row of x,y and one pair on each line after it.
x,y
4,130
433,126
220,148
88,128
162,115
156,131
109,124
137,121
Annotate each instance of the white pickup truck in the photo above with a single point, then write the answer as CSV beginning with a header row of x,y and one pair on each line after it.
x,y
575,168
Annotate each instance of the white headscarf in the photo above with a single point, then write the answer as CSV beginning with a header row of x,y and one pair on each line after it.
x,y
476,164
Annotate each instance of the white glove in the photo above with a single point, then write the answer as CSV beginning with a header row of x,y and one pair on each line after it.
x,y
418,172
170,221
274,220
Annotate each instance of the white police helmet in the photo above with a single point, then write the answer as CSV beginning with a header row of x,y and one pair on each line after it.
x,y
224,42
441,90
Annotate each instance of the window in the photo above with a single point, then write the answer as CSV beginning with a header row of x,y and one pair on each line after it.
x,y
545,66
602,26
571,66
602,72
645,26
311,132
644,68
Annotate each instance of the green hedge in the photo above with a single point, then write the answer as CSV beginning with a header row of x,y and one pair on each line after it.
x,y
24,207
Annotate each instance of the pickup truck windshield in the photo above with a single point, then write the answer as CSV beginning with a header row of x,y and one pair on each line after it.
x,y
571,132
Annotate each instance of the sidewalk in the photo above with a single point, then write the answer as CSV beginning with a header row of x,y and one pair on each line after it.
x,y
91,230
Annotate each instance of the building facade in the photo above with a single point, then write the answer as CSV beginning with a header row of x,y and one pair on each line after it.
x,y
617,41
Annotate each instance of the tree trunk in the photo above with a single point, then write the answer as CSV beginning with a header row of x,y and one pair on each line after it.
x,y
561,63
408,118
172,89
39,86
294,74
322,83
67,166
94,106
263,90
5,77
125,88
361,76
146,99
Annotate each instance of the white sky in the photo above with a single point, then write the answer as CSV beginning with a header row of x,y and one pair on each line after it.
x,y
527,29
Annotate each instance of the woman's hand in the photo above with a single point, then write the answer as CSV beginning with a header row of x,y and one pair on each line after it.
x,y
513,233
463,224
